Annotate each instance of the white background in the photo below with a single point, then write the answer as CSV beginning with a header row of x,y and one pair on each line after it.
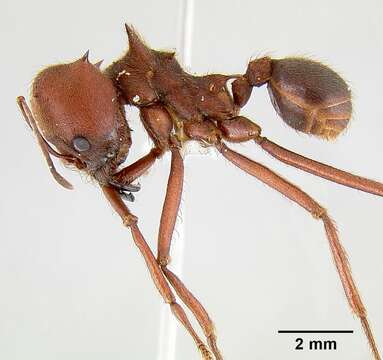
x,y
72,284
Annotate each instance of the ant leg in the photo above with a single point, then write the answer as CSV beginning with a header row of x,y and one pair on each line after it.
x,y
319,169
241,129
295,194
158,124
170,207
130,173
197,309
167,223
155,270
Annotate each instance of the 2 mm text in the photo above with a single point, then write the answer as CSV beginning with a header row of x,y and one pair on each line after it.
x,y
315,344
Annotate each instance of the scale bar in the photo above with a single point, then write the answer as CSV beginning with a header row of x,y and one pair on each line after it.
x,y
315,331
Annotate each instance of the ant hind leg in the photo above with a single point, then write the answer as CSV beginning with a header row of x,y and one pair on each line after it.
x,y
324,171
240,129
295,194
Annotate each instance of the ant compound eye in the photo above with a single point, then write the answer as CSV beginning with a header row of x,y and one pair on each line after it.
x,y
81,144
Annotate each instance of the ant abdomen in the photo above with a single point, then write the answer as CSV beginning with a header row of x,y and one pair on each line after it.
x,y
310,97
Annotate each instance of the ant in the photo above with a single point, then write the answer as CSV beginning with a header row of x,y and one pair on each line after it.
x,y
78,116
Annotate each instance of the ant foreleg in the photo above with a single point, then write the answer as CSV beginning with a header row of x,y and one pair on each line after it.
x,y
295,194
123,179
127,175
155,270
158,124
167,223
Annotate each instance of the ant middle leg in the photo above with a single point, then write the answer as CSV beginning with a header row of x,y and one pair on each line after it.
x,y
159,124
167,224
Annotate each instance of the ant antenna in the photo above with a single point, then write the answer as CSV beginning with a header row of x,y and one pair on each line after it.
x,y
45,148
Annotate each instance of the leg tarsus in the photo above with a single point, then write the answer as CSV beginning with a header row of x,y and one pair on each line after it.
x,y
197,309
180,314
344,270
370,337
205,352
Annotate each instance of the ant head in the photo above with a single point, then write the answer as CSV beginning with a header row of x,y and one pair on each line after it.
x,y
78,111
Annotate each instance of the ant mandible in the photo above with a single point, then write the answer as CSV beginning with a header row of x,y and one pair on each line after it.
x,y
79,109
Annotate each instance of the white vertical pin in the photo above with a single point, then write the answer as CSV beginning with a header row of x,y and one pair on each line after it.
x,y
168,323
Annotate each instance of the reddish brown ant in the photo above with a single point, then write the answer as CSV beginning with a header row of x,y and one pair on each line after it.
x,y
79,109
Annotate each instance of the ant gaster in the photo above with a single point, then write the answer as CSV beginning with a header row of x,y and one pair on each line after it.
x,y
78,116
